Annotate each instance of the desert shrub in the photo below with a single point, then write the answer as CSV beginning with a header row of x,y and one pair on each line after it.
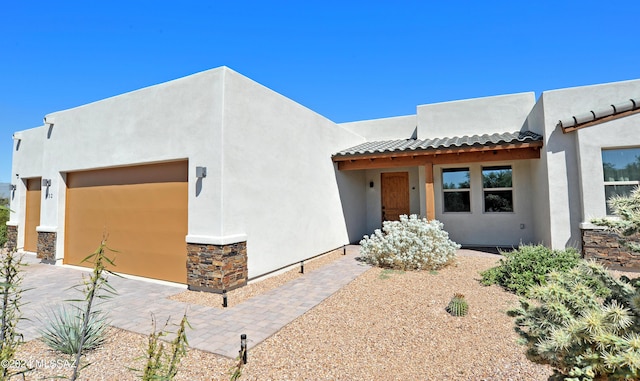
x,y
10,309
64,330
528,266
160,363
628,209
4,217
584,323
409,244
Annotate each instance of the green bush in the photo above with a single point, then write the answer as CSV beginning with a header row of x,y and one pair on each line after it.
x,y
412,243
63,332
527,266
4,217
584,323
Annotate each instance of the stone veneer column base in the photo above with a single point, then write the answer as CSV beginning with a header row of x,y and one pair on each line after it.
x,y
604,247
214,268
12,237
47,247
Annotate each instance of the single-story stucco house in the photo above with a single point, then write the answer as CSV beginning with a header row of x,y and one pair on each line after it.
x,y
214,179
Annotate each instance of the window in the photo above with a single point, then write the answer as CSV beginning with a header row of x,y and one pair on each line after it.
x,y
621,168
456,189
497,189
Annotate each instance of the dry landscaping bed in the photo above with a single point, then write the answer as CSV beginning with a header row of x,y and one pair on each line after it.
x,y
384,325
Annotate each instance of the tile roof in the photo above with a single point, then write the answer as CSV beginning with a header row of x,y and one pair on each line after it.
x,y
404,145
593,115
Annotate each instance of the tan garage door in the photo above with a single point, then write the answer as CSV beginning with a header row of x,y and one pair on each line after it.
x,y
142,209
32,215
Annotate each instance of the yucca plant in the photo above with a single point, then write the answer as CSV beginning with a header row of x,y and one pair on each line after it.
x,y
93,288
458,306
64,332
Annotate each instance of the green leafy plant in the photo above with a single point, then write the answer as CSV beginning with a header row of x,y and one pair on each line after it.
x,y
409,244
94,288
628,209
161,364
458,306
4,217
584,323
528,266
11,299
63,333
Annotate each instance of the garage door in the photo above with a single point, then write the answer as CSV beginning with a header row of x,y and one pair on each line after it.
x,y
32,215
143,211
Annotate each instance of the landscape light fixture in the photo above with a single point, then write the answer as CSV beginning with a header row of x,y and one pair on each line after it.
x,y
243,347
224,298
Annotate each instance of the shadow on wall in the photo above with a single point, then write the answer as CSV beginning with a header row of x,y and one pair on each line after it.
x,y
559,142
352,187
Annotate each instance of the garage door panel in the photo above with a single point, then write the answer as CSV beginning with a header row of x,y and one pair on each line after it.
x,y
146,223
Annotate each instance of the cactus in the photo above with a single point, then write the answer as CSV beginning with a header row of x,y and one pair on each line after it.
x,y
584,323
458,306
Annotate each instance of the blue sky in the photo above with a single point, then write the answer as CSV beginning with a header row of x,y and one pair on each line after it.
x,y
347,60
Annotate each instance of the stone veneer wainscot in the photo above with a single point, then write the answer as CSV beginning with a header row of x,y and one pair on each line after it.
x,y
12,237
214,268
604,247
46,247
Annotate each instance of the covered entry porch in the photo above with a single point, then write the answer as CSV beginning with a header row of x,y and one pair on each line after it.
x,y
455,180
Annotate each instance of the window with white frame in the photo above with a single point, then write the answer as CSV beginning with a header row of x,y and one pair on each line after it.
x,y
621,168
456,190
497,187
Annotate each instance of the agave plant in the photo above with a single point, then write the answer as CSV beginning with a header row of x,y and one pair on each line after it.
x,y
63,331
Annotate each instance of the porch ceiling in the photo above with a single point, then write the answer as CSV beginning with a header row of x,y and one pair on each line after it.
x,y
465,149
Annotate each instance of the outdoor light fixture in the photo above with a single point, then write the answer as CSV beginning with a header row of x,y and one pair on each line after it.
x,y
301,267
201,172
46,182
13,187
243,348
370,184
224,298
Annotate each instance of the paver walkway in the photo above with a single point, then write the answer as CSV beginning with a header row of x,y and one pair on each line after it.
x,y
215,330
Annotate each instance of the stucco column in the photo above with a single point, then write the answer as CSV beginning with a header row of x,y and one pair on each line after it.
x,y
429,191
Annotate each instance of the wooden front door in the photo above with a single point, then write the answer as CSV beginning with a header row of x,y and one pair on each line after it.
x,y
395,195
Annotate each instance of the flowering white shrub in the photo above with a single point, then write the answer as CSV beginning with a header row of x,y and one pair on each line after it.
x,y
409,244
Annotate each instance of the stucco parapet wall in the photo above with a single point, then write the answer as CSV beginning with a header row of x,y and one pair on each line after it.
x,y
215,240
11,223
574,122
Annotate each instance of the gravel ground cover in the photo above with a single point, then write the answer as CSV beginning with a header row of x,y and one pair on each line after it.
x,y
385,325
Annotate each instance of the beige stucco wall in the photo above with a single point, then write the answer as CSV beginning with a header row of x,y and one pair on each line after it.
x,y
279,185
400,127
488,115
572,161
479,228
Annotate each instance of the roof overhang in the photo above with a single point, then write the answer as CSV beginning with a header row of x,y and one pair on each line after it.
x,y
606,114
452,155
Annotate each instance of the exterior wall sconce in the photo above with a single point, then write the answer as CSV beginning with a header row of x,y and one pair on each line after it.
x,y
370,184
13,187
201,172
46,182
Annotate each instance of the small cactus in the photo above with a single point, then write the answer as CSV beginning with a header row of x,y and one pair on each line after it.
x,y
458,306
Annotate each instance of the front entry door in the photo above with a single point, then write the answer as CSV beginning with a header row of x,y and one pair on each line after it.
x,y
395,195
